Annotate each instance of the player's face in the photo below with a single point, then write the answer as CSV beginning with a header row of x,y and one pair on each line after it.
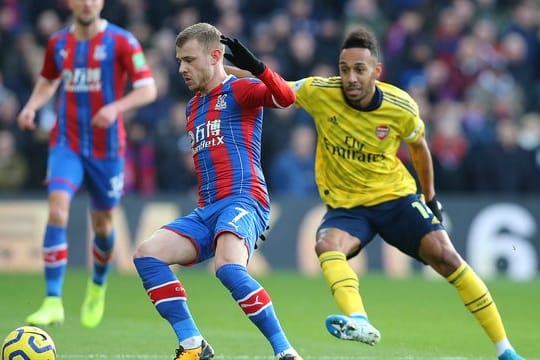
x,y
195,65
358,70
86,12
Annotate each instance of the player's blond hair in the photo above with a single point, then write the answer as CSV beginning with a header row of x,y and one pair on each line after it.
x,y
206,34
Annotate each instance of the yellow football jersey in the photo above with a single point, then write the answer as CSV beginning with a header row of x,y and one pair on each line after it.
x,y
356,161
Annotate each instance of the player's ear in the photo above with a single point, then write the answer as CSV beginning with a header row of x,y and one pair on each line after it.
x,y
216,55
378,69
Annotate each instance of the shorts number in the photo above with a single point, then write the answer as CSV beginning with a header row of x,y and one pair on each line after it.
x,y
422,209
241,214
117,186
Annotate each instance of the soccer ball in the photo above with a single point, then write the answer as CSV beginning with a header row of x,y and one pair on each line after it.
x,y
28,343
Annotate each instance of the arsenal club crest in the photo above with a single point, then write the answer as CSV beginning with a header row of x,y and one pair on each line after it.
x,y
382,131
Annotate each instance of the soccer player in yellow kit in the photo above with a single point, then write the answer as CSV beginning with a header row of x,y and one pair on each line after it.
x,y
360,123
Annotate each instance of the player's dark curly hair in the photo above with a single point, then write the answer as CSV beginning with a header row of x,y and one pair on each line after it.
x,y
361,37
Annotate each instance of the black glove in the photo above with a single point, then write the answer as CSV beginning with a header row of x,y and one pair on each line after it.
x,y
242,57
436,208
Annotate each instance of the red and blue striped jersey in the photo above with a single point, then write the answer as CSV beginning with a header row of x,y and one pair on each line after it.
x,y
94,73
225,128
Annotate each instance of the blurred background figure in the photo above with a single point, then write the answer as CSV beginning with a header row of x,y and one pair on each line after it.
x,y
482,55
292,171
13,165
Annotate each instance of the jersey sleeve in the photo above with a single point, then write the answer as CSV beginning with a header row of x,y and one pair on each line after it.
x,y
302,90
413,126
134,61
268,91
49,69
281,94
416,132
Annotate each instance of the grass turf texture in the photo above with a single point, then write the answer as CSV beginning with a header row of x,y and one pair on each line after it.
x,y
418,318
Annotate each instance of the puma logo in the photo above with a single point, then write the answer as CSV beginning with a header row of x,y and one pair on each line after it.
x,y
254,303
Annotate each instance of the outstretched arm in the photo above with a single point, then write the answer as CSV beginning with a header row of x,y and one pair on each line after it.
x,y
282,94
423,165
236,71
43,91
137,97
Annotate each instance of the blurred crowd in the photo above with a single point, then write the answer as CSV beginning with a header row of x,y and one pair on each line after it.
x,y
473,66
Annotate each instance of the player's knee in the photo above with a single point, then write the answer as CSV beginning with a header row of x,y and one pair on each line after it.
x,y
323,246
58,215
451,261
102,222
142,250
336,240
445,262
103,229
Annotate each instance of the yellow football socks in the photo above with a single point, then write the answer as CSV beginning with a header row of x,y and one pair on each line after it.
x,y
343,282
477,299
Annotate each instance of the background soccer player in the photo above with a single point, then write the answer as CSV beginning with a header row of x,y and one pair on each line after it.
x,y
360,123
89,62
224,122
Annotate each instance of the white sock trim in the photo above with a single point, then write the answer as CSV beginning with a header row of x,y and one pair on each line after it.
x,y
192,342
502,346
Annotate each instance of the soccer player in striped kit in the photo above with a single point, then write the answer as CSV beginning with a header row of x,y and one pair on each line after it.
x,y
89,62
224,122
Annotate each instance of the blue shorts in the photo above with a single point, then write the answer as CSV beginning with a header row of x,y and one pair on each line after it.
x,y
240,215
104,178
402,223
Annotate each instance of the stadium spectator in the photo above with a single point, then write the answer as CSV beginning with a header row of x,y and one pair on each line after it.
x,y
449,147
8,108
89,63
474,34
140,167
529,139
366,12
277,127
292,171
403,32
174,160
502,166
368,191
13,165
525,23
224,123
21,64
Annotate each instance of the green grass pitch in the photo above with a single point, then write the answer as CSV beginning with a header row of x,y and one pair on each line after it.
x,y
418,318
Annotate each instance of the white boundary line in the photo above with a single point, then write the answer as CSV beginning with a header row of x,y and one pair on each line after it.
x,y
247,357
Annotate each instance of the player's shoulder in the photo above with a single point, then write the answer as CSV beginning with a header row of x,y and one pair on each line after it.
x,y
394,91
236,85
242,81
118,31
114,28
397,97
326,82
317,86
60,34
318,82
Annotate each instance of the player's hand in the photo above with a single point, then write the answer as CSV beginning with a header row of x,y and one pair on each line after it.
x,y
436,208
105,116
25,120
242,57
